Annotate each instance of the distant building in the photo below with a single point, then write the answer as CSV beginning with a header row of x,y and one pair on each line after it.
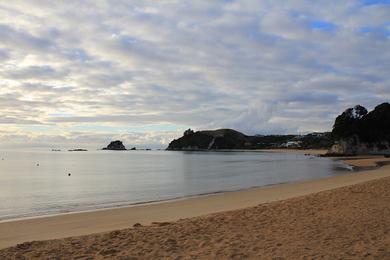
x,y
292,144
317,134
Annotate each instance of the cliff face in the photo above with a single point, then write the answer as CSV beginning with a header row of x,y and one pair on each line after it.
x,y
211,140
358,132
354,146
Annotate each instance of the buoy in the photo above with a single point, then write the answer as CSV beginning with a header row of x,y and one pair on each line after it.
x,y
69,174
37,164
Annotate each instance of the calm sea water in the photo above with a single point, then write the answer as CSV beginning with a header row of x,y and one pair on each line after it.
x,y
101,179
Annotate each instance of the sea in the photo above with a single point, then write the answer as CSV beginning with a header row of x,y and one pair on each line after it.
x,y
39,183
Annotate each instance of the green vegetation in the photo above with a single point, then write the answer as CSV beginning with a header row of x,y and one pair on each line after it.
x,y
369,127
232,139
355,131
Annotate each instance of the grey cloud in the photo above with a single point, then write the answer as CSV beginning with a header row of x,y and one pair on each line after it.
x,y
13,120
255,66
42,88
4,54
34,72
87,140
313,97
14,38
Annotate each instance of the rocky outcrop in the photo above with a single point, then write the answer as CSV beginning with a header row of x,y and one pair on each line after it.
x,y
116,146
354,146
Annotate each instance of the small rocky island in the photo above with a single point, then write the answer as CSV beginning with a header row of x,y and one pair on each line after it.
x,y
115,146
77,150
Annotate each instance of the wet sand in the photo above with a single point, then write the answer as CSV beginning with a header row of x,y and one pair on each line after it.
x,y
367,162
301,151
312,218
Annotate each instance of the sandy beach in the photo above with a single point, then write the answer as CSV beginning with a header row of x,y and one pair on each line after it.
x,y
367,162
268,221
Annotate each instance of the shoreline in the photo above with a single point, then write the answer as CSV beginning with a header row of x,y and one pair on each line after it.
x,y
146,203
313,152
108,206
344,223
73,224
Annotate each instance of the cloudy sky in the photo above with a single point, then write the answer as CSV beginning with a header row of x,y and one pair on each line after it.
x,y
86,72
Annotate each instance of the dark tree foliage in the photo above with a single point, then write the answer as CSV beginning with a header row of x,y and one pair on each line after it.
x,y
369,127
197,140
345,124
359,111
223,139
272,141
311,141
231,139
375,126
189,131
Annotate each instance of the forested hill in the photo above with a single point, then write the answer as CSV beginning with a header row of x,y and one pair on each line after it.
x,y
357,131
232,139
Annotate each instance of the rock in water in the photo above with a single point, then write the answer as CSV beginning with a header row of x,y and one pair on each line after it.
x,y
115,145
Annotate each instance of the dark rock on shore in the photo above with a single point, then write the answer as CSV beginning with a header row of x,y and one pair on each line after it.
x,y
116,146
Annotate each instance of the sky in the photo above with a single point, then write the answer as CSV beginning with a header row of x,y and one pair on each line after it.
x,y
83,73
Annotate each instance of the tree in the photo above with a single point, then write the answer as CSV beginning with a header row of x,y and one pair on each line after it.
x,y
368,127
375,126
347,123
189,131
359,111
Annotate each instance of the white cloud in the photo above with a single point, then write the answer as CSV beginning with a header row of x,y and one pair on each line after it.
x,y
260,67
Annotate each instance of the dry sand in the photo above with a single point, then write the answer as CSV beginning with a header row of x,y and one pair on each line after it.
x,y
349,222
